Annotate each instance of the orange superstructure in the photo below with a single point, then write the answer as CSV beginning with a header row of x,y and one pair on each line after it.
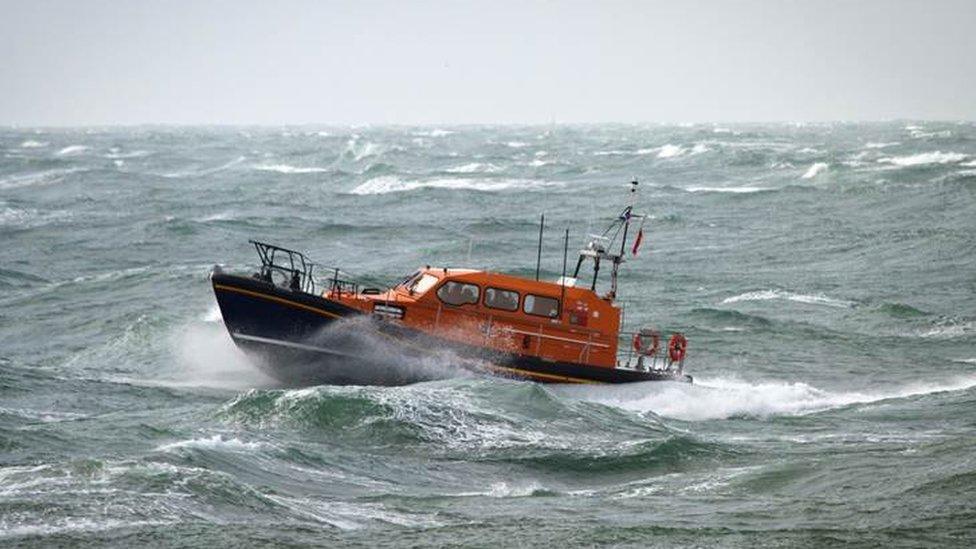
x,y
502,312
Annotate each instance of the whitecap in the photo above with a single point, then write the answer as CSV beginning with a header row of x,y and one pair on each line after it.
x,y
216,442
506,490
736,190
116,153
31,144
474,167
880,145
949,330
37,178
922,159
392,184
669,151
437,132
72,150
815,169
810,299
516,144
365,150
287,169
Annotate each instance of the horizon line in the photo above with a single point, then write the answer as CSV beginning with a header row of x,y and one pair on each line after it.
x,y
824,122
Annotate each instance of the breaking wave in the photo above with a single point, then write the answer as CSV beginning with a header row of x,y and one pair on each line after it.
x,y
286,169
72,150
393,184
810,299
815,170
736,190
45,177
923,159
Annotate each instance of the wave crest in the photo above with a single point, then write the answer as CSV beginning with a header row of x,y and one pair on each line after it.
x,y
392,184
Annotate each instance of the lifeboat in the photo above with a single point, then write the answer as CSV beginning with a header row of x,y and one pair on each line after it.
x,y
304,325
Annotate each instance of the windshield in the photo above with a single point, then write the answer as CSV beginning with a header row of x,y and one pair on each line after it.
x,y
421,284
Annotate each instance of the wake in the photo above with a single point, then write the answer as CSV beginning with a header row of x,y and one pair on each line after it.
x,y
724,398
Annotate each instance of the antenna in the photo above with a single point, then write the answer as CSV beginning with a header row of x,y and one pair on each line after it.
x,y
538,255
562,281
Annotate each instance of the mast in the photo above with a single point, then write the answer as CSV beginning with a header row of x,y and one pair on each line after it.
x,y
598,249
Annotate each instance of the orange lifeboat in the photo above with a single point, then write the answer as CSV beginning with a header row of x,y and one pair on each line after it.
x,y
562,331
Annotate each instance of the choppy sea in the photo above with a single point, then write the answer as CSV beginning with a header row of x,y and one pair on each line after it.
x,y
825,276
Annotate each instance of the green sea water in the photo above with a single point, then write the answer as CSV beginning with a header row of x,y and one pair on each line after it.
x,y
825,276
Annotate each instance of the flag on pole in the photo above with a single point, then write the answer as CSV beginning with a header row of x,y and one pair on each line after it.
x,y
638,240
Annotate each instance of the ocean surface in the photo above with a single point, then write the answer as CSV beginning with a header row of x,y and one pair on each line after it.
x,y
825,276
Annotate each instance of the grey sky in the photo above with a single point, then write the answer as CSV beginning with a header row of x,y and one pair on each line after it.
x,y
128,62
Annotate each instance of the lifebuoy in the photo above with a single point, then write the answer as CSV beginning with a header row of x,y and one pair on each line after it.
x,y
639,343
677,347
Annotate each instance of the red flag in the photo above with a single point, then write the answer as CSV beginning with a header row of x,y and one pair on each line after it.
x,y
637,241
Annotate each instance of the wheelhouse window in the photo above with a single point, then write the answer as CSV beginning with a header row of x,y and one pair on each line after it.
x,y
458,293
541,306
421,284
506,300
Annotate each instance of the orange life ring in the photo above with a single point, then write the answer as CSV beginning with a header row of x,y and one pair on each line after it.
x,y
677,347
639,344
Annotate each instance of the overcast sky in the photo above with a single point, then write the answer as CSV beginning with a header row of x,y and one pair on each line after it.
x,y
281,62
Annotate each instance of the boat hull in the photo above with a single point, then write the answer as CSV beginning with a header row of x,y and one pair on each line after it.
x,y
302,339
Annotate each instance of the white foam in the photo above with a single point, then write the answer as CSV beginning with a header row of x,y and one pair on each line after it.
x,y
874,145
287,169
212,314
766,295
922,159
970,164
506,490
365,150
37,178
722,398
437,132
949,330
216,442
31,144
392,184
516,144
474,167
919,134
117,153
669,151
736,190
815,169
72,150
67,525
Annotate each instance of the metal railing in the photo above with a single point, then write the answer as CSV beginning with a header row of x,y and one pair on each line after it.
x,y
284,267
658,359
